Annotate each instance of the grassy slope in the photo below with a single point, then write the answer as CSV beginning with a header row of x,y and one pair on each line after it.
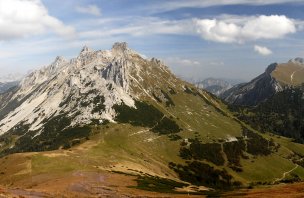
x,y
118,148
289,73
126,148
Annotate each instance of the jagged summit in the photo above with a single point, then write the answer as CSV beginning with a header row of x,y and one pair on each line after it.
x,y
86,49
59,60
120,46
156,61
122,49
72,87
271,68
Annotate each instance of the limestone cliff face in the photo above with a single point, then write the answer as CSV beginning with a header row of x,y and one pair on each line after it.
x,y
84,88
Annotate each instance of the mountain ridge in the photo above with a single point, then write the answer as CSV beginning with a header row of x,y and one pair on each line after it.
x,y
69,73
214,85
276,78
254,92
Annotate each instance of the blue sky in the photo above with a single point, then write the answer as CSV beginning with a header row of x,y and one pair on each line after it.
x,y
195,38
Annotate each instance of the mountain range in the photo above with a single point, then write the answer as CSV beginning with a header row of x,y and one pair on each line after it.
x,y
215,86
12,77
7,85
111,123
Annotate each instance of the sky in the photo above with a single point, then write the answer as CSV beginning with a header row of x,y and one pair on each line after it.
x,y
231,39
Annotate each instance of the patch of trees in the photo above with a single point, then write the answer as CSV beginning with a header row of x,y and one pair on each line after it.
x,y
146,115
158,184
188,90
199,151
256,144
99,106
172,91
168,101
234,152
251,143
166,126
54,136
156,98
202,174
282,114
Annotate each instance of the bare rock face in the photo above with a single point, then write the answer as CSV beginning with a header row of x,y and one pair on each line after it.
x,y
120,46
73,88
85,50
82,89
118,73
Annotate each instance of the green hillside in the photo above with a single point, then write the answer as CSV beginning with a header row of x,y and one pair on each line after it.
x,y
175,139
196,141
289,73
282,114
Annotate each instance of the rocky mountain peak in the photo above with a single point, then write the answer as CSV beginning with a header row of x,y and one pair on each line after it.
x,y
86,87
120,48
59,60
86,49
271,68
156,61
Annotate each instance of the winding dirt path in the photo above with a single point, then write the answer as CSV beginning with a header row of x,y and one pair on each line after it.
x,y
285,173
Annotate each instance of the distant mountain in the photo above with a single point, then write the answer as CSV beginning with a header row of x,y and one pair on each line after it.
x,y
276,78
7,85
215,86
13,77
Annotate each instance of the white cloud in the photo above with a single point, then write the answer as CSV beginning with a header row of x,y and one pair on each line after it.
x,y
262,50
229,30
177,61
20,18
224,29
89,9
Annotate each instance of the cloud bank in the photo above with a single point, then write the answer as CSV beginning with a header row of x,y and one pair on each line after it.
x,y
245,29
21,18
